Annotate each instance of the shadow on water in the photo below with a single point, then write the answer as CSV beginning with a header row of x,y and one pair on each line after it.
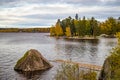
x,y
34,75
93,41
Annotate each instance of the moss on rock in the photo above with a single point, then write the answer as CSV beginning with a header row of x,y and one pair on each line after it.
x,y
22,59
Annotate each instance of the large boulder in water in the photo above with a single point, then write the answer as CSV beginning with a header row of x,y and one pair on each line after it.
x,y
32,61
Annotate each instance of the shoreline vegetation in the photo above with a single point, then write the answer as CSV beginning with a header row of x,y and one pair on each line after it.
x,y
85,28
69,71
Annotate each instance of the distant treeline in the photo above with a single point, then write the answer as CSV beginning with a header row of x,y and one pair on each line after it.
x,y
31,30
85,26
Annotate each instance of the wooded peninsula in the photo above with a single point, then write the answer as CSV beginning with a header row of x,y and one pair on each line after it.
x,y
82,27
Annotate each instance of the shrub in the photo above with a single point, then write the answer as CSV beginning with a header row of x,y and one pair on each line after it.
x,y
69,71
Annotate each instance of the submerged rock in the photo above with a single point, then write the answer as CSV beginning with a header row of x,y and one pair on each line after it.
x,y
107,36
32,61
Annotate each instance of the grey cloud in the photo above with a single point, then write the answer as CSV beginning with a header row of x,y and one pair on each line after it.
x,y
74,2
115,3
46,18
35,23
2,2
49,16
101,14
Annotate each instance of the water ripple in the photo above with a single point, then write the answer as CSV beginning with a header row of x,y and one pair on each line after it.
x,y
14,45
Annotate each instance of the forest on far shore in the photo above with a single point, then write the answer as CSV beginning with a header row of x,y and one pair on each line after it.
x,y
30,30
84,26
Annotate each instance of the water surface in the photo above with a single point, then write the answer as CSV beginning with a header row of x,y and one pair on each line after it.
x,y
14,45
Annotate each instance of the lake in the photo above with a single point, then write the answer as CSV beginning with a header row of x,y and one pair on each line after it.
x,y
14,45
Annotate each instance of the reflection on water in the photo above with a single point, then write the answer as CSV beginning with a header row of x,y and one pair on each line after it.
x,y
14,45
32,74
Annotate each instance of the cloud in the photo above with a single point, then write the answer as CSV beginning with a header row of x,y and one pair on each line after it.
x,y
45,12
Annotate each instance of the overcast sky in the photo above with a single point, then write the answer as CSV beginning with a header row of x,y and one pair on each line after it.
x,y
44,13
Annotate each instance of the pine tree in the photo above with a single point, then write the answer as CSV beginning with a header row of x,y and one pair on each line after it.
x,y
76,16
